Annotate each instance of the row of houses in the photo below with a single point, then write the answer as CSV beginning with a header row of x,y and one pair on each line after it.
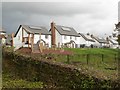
x,y
58,36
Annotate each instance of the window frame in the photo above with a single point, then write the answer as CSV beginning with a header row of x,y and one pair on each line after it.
x,y
46,36
65,37
70,37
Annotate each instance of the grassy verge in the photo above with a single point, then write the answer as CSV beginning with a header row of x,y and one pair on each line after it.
x,y
10,81
106,65
106,51
54,70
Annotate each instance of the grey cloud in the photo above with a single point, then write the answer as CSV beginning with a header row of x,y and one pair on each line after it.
x,y
0,15
119,11
54,8
83,16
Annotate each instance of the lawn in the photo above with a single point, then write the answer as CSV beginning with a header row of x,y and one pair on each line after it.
x,y
106,51
87,55
97,60
100,62
10,81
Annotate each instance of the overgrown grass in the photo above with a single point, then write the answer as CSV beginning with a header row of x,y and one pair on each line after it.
x,y
106,65
96,67
106,51
92,55
9,81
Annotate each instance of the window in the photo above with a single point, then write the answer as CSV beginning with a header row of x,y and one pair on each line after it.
x,y
35,27
70,37
47,45
46,36
18,37
75,38
26,40
66,29
65,37
114,35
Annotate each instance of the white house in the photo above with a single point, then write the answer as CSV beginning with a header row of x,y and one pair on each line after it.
x,y
85,40
28,35
100,42
2,36
64,36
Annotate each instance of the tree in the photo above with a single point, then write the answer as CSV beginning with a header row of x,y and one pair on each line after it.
x,y
118,28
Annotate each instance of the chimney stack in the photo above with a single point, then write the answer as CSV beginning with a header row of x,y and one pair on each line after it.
x,y
53,33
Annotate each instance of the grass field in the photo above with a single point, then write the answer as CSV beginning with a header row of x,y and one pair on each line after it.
x,y
106,51
107,68
99,61
92,55
95,55
9,81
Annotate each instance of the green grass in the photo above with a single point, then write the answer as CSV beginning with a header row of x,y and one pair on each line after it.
x,y
106,65
95,55
106,51
95,66
9,81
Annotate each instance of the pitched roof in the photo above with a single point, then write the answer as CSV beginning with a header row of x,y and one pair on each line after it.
x,y
63,30
3,31
100,40
87,37
113,41
34,29
2,36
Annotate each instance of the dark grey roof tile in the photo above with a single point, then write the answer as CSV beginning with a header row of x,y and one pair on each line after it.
x,y
36,29
63,30
87,38
100,40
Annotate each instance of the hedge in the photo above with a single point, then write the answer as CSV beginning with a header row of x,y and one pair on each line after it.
x,y
54,73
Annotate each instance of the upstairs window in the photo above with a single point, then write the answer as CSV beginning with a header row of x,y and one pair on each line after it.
x,y
66,29
18,37
65,37
46,36
75,38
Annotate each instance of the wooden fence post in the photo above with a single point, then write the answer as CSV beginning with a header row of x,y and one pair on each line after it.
x,y
87,58
115,57
102,57
68,59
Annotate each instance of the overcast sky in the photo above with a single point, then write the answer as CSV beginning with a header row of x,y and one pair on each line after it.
x,y
94,16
